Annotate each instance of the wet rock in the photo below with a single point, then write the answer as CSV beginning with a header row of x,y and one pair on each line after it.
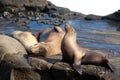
x,y
7,15
21,22
93,17
21,15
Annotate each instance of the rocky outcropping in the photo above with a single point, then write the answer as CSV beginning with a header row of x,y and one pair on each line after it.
x,y
93,17
35,10
113,18
22,4
61,12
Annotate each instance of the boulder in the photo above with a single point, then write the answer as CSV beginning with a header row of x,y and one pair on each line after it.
x,y
63,71
24,74
113,18
93,17
51,8
39,64
21,3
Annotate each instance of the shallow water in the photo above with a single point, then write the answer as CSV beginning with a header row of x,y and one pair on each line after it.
x,y
96,35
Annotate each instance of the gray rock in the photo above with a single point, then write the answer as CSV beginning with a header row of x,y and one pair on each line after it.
x,y
93,17
39,64
113,18
21,3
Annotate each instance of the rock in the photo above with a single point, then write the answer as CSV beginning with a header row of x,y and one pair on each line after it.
x,y
39,64
61,12
91,72
113,18
18,69
15,6
24,74
22,3
93,17
14,61
51,8
8,67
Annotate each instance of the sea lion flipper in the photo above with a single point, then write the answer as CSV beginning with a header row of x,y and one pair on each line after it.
x,y
77,68
77,64
111,67
58,29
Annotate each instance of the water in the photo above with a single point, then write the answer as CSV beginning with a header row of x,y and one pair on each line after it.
x,y
96,35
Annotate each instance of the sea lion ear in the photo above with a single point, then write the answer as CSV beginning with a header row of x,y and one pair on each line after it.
x,y
77,68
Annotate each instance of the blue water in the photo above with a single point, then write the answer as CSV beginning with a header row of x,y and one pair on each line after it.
x,y
97,35
38,26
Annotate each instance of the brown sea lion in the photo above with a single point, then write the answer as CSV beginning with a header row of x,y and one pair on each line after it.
x,y
76,55
43,34
50,39
12,52
27,39
9,45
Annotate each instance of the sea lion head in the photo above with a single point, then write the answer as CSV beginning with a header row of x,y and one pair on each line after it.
x,y
69,29
38,49
26,38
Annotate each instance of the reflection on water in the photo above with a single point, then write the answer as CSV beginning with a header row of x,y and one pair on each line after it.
x,y
91,34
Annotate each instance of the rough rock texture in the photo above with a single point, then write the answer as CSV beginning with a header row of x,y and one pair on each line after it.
x,y
22,5
24,74
27,3
44,70
90,72
39,64
113,18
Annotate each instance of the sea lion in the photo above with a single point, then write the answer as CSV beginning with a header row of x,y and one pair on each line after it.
x,y
50,39
27,39
9,45
43,34
76,55
12,52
